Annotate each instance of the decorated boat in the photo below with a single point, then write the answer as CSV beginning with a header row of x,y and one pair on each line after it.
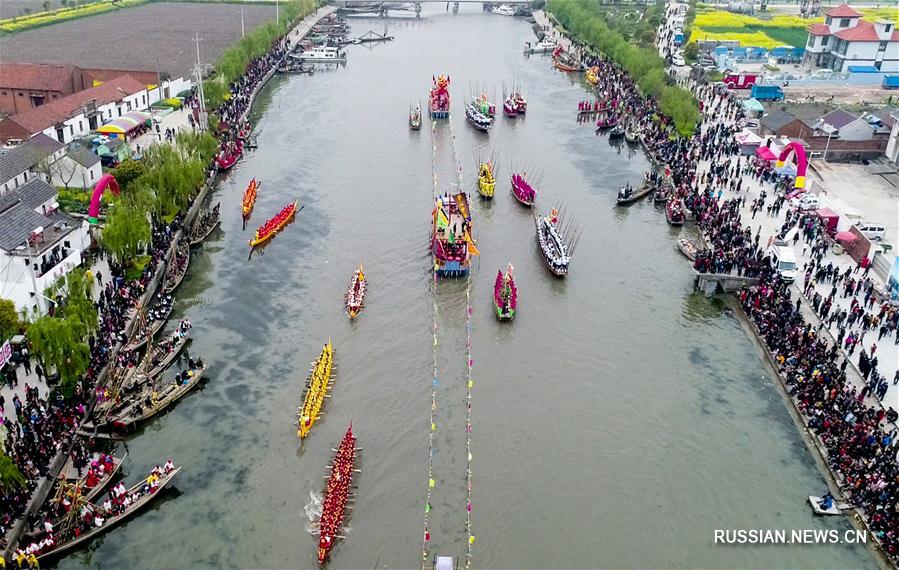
x,y
674,211
451,244
587,108
205,224
90,520
553,243
522,190
228,156
484,105
439,97
97,475
521,104
249,198
177,267
334,503
415,118
268,230
355,295
505,295
317,386
486,180
592,75
477,119
509,107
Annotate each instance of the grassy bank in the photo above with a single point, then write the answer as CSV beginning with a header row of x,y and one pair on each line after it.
x,y
583,20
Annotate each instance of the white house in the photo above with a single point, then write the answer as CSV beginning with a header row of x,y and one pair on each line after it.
x,y
38,244
79,168
846,39
22,163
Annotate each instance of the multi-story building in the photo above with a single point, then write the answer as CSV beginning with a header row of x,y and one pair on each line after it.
x,y
845,39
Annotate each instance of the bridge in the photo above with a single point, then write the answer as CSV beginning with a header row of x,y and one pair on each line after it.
x,y
383,7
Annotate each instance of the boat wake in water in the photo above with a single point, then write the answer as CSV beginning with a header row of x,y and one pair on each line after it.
x,y
313,511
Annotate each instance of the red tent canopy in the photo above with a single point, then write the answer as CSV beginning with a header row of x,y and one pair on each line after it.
x,y
847,237
765,152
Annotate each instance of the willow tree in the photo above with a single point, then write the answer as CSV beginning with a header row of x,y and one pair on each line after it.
x,y
200,145
127,228
59,343
172,178
10,476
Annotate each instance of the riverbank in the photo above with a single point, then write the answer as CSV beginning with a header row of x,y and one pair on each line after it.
x,y
814,442
45,484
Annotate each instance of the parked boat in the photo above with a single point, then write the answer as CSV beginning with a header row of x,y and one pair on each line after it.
x,y
98,473
486,180
415,118
503,10
164,352
688,248
660,196
249,198
628,195
607,121
674,211
616,132
177,267
451,244
566,65
154,400
337,491
355,295
245,131
297,67
505,295
227,157
632,135
150,323
439,97
827,508
477,119
85,526
323,54
522,190
205,224
553,243
317,386
268,230
546,45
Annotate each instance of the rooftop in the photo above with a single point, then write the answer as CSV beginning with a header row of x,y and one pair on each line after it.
x,y
26,156
843,11
37,76
864,32
39,118
838,119
19,217
83,157
819,30
776,120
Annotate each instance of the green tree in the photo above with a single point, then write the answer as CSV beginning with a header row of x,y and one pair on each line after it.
x,y
127,172
59,344
691,52
9,320
200,145
10,476
172,178
127,228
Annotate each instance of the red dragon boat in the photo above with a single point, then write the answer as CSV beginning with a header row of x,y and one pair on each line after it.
x,y
268,230
505,295
334,504
249,198
228,157
523,191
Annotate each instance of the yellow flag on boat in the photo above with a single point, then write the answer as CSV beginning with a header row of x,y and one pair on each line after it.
x,y
472,249
432,483
442,220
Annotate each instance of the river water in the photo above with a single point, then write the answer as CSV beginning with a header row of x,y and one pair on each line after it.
x,y
618,421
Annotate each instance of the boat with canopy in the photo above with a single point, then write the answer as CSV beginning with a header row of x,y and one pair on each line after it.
x,y
439,97
451,243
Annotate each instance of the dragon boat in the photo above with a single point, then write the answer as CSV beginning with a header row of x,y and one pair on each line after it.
x,y
355,295
337,494
317,387
553,243
522,190
268,230
249,198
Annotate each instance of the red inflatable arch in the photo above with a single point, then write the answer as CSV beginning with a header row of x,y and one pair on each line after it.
x,y
794,148
106,181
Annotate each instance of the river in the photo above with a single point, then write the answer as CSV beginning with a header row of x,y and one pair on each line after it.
x,y
618,421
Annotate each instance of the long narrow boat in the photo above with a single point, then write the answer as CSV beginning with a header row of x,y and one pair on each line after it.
x,y
177,267
522,190
477,119
110,469
674,211
505,295
152,402
166,350
317,387
249,198
334,503
204,226
355,294
553,245
157,316
566,66
268,230
625,199
688,248
140,495
486,180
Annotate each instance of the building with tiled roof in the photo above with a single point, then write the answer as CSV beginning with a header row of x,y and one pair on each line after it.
x,y
78,114
27,85
845,39
18,165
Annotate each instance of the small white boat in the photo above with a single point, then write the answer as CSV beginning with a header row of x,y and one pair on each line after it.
x,y
503,10
546,45
323,54
834,510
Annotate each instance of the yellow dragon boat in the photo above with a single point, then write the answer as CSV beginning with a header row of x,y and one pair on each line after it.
x,y
316,389
486,180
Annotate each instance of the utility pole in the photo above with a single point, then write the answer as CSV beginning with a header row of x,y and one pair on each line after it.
x,y
202,118
242,32
277,12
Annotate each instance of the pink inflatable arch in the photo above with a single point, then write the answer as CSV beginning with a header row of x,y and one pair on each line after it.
x,y
106,181
801,161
